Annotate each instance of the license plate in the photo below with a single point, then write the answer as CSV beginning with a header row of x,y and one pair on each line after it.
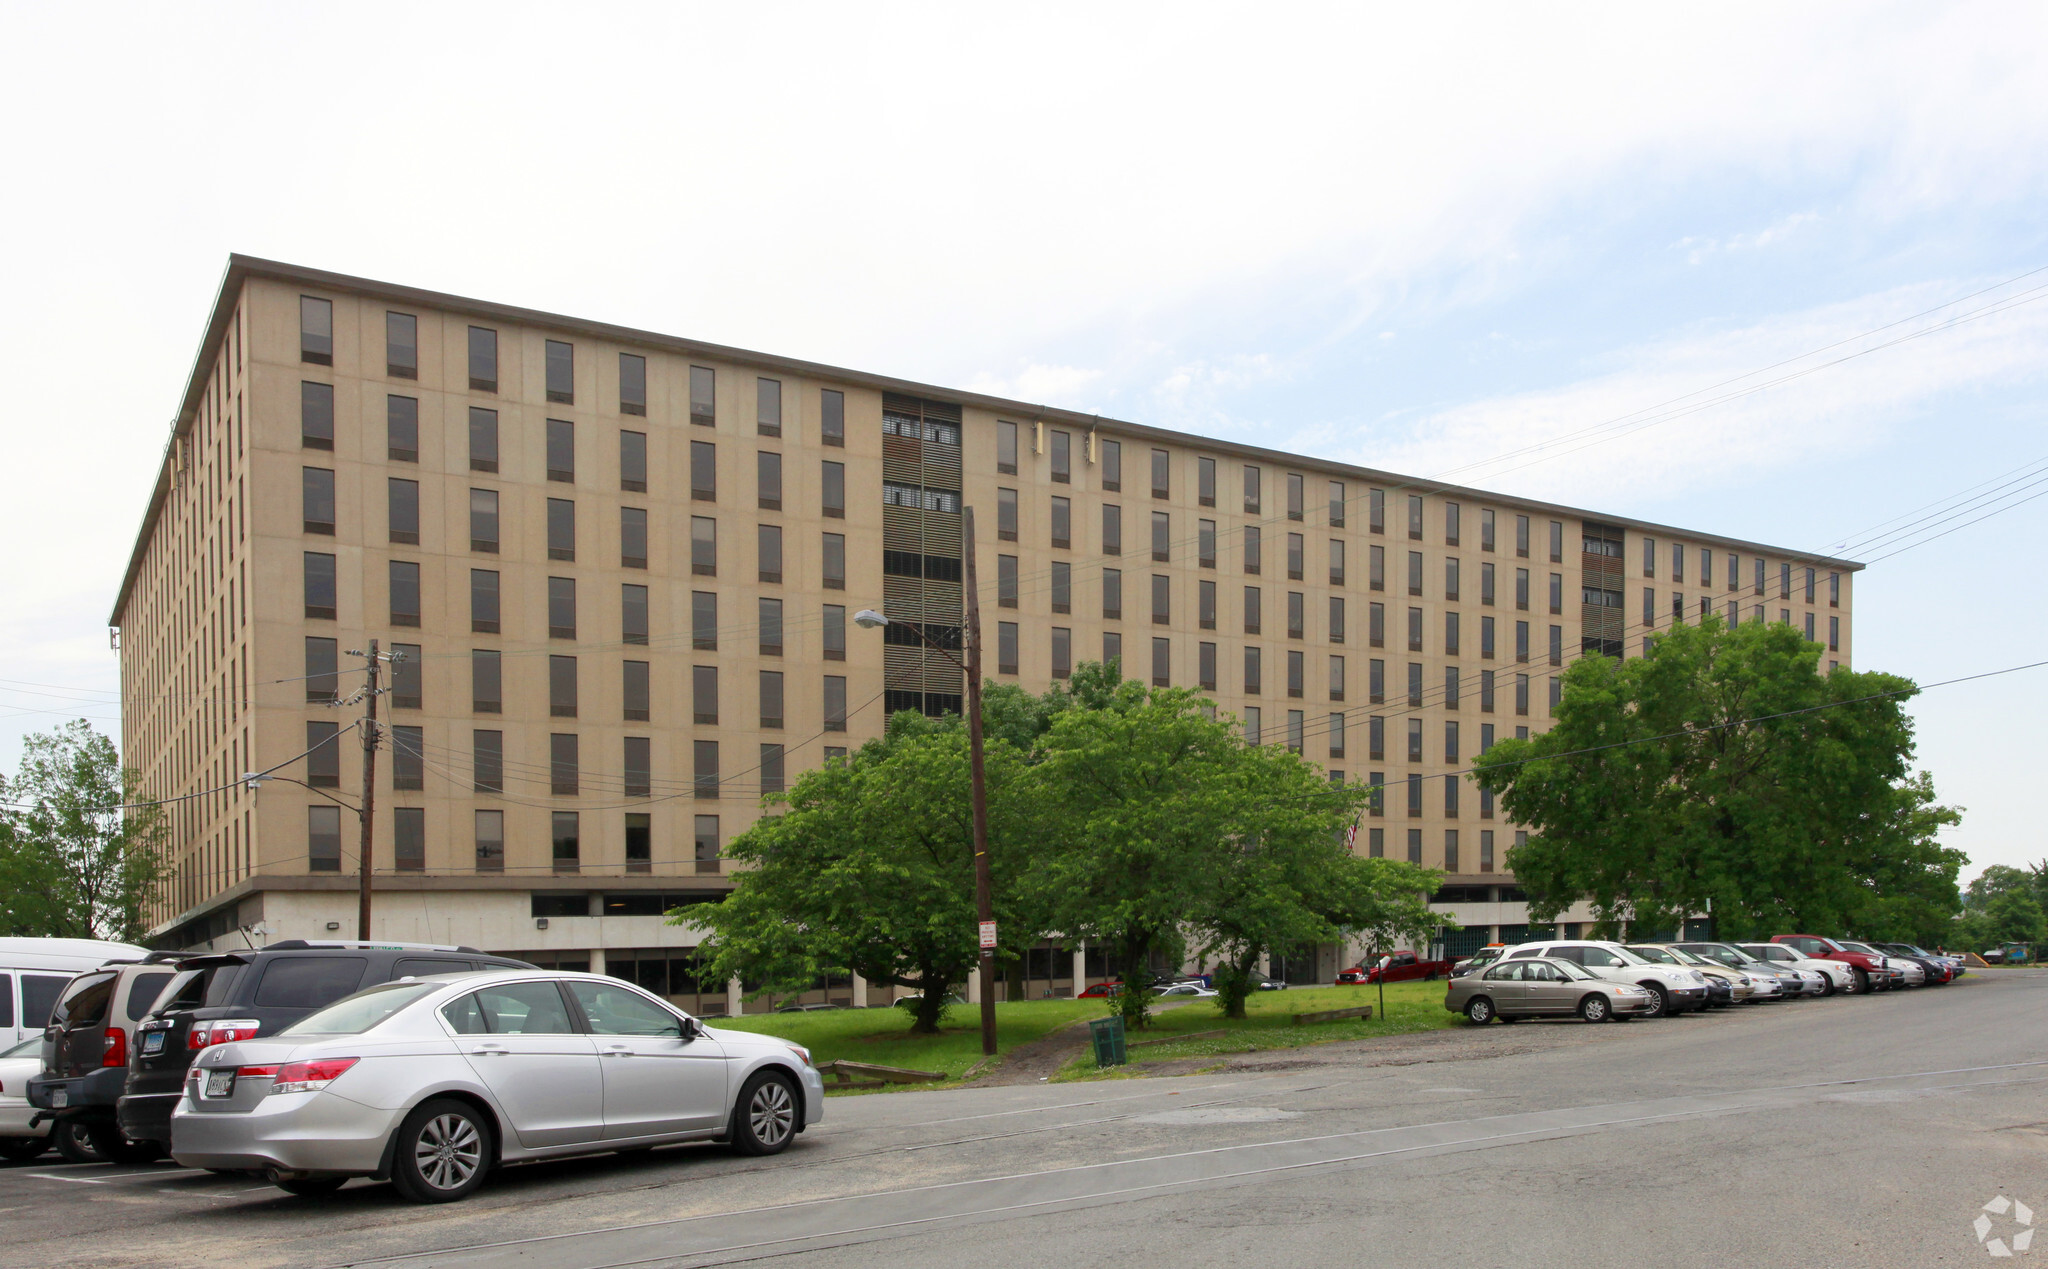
x,y
60,1098
153,1042
220,1083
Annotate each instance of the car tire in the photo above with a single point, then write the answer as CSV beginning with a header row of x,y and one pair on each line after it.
x,y
764,1118
115,1146
310,1187
1827,986
1859,981
444,1151
1660,1000
74,1143
23,1149
1480,1010
1596,1008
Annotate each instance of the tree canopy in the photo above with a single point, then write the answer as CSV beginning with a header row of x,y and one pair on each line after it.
x,y
1723,772
70,867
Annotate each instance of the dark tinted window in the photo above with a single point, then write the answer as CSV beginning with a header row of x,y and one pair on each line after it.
x,y
143,989
6,1000
524,1009
39,994
85,1002
308,982
420,966
193,988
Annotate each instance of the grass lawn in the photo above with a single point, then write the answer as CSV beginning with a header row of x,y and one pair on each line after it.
x,y
883,1035
1267,1025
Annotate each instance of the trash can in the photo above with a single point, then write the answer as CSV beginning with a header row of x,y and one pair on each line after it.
x,y
1108,1036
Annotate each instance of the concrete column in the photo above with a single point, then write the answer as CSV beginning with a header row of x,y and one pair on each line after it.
x,y
1080,968
860,992
733,1005
974,989
597,960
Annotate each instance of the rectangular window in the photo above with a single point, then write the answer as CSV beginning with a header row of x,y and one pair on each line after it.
x,y
1649,606
1006,515
1834,634
1415,740
1162,608
703,396
1812,576
706,840
1557,541
1206,604
401,429
487,760
1450,524
1415,683
1522,590
832,490
1294,730
1253,664
1415,812
1162,663
401,345
1521,695
323,668
703,471
639,842
769,636
566,835
1062,458
703,546
1415,630
834,561
1336,678
1834,590
1557,593
316,499
1451,634
1376,680
1205,666
320,585
1162,484
483,439
1336,563
1486,691
323,841
402,510
636,691
486,682
483,359
483,601
1522,537
1297,675
561,451
768,553
1006,647
1336,619
1415,517
832,418
316,331
1162,536
1252,550
1062,523
316,416
1295,510
1006,581
1486,528
1205,478
1112,649
633,614
1452,578
1677,562
1062,586
1809,627
490,841
404,585
632,383
1006,448
1251,490
1649,557
771,700
1415,573
1759,586
561,529
1521,641
1450,834
1486,637
704,694
1112,466
633,461
1376,838
1485,849
771,769
1062,652
1112,529
561,608
1296,561
323,762
835,702
768,407
1338,502
1556,692
1252,615
632,537
834,635
703,621
562,687
1486,584
561,371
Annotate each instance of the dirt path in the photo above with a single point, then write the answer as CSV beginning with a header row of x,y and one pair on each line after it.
x,y
1042,1058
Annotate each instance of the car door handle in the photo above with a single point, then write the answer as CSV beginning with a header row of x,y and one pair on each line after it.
x,y
618,1050
489,1049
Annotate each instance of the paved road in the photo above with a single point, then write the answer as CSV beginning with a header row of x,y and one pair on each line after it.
x,y
1846,1132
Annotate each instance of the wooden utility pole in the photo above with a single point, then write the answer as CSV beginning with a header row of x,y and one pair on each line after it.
x,y
984,884
367,813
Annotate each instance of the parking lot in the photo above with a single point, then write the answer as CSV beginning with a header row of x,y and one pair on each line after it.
x,y
1846,1131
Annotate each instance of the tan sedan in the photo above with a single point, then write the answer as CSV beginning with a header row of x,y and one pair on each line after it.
x,y
1742,987
1544,987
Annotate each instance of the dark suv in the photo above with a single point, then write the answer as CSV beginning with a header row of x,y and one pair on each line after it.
x,y
240,995
85,1055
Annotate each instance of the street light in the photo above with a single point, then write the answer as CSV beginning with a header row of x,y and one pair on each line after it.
x,y
984,886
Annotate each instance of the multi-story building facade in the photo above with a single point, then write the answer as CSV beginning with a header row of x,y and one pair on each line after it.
x,y
617,570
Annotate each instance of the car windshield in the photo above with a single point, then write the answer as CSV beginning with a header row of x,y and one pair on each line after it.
x,y
353,1015
1657,955
1628,956
1689,958
1571,971
1865,948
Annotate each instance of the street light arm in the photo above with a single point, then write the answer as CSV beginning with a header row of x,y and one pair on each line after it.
x,y
869,619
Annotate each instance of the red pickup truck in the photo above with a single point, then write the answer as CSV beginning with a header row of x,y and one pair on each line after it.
x,y
1871,971
1397,967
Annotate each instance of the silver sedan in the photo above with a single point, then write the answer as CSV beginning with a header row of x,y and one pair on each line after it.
x,y
432,1082
1534,987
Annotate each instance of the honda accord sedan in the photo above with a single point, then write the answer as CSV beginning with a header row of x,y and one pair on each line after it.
x,y
432,1082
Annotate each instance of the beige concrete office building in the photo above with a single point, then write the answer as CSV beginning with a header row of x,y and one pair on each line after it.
x,y
619,568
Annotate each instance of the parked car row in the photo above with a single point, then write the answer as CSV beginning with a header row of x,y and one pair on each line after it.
x,y
1603,981
427,1066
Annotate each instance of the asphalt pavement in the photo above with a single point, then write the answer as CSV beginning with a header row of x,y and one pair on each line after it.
x,y
1865,1131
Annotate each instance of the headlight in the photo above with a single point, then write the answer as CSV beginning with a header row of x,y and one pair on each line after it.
x,y
801,1052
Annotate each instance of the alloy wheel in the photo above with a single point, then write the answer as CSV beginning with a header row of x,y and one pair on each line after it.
x,y
448,1151
771,1113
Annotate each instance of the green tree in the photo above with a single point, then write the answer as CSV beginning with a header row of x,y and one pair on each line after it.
x,y
870,869
1655,797
73,863
2002,905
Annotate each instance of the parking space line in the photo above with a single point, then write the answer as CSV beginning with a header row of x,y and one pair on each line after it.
x,y
75,1180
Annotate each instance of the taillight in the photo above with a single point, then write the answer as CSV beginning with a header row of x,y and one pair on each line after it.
x,y
204,1035
117,1048
256,1073
307,1077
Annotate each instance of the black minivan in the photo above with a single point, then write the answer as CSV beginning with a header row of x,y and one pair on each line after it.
x,y
240,995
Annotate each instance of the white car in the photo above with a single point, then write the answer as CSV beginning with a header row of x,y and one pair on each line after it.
x,y
1835,976
18,1142
432,1082
1676,990
1910,973
1187,989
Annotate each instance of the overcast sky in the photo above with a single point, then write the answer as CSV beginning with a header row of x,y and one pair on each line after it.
x,y
1416,244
